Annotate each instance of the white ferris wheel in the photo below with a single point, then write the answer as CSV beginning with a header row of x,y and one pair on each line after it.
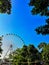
x,y
10,42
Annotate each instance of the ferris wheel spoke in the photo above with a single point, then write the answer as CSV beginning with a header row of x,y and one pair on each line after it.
x,y
11,41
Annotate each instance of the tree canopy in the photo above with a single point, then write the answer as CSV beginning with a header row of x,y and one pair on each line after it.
x,y
25,54
5,6
41,7
45,52
43,29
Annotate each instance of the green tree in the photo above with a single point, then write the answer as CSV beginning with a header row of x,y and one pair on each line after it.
x,y
5,6
45,52
43,29
41,45
33,53
41,7
19,56
25,54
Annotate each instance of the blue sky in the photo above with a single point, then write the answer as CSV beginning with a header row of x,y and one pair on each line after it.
x,y
23,23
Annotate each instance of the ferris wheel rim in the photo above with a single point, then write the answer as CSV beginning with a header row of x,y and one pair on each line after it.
x,y
16,35
11,34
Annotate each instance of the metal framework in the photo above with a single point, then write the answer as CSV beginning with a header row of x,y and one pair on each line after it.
x,y
11,46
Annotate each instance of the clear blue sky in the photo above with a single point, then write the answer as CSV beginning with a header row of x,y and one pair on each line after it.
x,y
23,23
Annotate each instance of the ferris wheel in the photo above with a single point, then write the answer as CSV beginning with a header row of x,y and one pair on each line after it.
x,y
11,42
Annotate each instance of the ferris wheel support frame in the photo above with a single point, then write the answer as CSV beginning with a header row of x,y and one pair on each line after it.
x,y
10,48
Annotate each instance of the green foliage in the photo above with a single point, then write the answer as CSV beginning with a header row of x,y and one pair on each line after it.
x,y
44,52
25,53
40,7
19,56
41,45
5,6
43,29
31,54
